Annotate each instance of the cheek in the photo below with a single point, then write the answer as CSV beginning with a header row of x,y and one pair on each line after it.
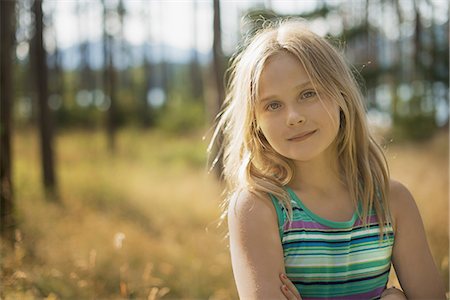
x,y
264,131
261,124
268,132
333,112
335,122
267,128
336,119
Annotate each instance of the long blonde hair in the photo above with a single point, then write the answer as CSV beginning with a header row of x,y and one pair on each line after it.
x,y
250,163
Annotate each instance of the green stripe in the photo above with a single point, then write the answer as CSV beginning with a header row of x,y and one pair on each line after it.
x,y
337,290
335,269
280,216
365,258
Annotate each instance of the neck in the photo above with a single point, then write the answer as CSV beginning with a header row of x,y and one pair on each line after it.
x,y
320,175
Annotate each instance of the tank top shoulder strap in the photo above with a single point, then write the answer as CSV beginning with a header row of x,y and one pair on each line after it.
x,y
280,215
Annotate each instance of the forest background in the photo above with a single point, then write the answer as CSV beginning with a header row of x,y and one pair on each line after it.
x,y
106,111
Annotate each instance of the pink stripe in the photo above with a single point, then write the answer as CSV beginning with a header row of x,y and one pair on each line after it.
x,y
303,224
315,225
372,220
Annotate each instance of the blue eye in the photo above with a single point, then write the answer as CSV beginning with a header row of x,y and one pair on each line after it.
x,y
273,106
308,94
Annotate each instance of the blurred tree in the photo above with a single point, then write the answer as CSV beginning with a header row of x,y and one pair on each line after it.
x,y
219,84
255,19
56,87
24,79
123,78
439,67
408,65
45,118
86,77
164,67
417,67
144,108
109,75
55,71
368,36
396,75
218,58
418,119
196,75
6,96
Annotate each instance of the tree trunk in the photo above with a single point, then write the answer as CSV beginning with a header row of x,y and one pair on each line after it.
x,y
86,80
45,122
123,78
431,49
7,222
397,76
219,76
109,83
196,73
164,67
112,112
218,57
414,103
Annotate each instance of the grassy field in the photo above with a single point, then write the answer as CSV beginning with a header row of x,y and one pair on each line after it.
x,y
423,168
142,222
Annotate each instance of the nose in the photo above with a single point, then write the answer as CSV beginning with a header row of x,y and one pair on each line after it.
x,y
295,118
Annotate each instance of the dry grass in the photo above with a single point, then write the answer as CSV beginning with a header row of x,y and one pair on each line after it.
x,y
142,223
423,168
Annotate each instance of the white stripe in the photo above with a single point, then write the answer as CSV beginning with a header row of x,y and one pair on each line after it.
x,y
352,258
327,236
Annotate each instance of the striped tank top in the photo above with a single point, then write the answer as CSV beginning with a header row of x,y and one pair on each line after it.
x,y
333,260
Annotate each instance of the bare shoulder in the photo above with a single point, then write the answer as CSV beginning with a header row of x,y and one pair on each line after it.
x,y
255,246
399,194
402,202
248,207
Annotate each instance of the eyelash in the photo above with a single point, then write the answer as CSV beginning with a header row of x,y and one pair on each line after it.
x,y
270,108
310,91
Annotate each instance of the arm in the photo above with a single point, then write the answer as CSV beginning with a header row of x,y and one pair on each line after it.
x,y
255,247
411,255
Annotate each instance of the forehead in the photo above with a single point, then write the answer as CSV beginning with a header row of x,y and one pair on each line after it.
x,y
281,73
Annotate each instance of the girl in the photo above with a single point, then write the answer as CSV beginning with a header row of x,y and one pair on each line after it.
x,y
309,194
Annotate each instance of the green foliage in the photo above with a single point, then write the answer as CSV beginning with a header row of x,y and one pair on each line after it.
x,y
49,284
181,116
74,115
414,127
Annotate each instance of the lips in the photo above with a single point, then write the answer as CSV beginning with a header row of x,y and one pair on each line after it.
x,y
302,136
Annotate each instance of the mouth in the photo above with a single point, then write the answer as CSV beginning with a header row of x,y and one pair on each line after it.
x,y
302,136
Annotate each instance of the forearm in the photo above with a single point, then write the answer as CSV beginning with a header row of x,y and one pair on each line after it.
x,y
393,294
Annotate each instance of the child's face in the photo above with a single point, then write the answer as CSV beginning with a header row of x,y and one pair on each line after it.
x,y
295,122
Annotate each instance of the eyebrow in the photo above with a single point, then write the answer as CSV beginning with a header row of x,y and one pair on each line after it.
x,y
298,87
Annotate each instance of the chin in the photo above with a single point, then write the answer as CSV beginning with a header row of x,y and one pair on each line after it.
x,y
303,157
